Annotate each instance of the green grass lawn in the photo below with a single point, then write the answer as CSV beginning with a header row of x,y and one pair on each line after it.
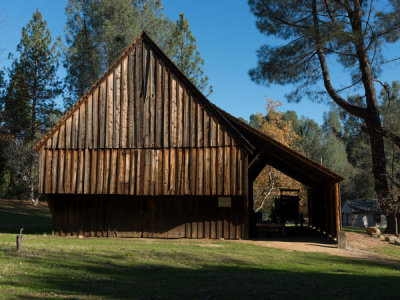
x,y
50,267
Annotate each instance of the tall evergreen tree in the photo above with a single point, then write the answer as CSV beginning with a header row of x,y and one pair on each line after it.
x,y
29,102
82,56
353,31
187,57
98,31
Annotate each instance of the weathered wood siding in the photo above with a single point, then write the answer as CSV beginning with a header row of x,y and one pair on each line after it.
x,y
165,171
142,131
151,217
140,104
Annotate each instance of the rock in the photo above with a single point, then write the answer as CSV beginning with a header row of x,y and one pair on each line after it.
x,y
390,239
375,235
371,230
397,241
80,236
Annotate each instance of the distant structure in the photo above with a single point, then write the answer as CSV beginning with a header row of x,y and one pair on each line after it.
x,y
144,154
362,213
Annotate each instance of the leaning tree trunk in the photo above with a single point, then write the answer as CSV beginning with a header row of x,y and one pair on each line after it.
x,y
372,118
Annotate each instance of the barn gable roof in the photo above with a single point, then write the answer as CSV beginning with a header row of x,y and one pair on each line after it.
x,y
218,114
262,149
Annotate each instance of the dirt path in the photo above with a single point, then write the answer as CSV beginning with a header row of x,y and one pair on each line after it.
x,y
359,247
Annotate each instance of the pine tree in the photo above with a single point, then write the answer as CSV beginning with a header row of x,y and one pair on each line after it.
x,y
29,102
98,31
353,31
82,56
187,57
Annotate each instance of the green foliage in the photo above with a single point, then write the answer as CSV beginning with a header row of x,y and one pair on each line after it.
x,y
28,108
29,105
295,60
98,31
187,57
82,60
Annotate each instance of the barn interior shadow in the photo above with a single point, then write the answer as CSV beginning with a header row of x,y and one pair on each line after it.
x,y
117,275
302,234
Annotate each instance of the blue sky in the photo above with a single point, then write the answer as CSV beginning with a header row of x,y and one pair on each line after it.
x,y
227,39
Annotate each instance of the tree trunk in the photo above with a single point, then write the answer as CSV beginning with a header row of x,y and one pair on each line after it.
x,y
372,120
391,224
31,183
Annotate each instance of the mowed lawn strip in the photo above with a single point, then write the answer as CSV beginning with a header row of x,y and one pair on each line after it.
x,y
52,267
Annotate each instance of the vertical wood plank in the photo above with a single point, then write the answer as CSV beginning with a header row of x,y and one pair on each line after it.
x,y
220,170
166,165
109,113
80,177
54,172
116,106
132,177
139,97
86,185
199,125
173,112
186,121
95,118
61,137
127,173
213,171
89,122
42,164
193,122
124,104
227,171
49,158
100,171
102,114
152,100
206,126
113,171
179,121
166,113
93,169
200,168
233,171
54,140
81,137
74,170
106,171
68,128
67,172
60,177
131,99
159,105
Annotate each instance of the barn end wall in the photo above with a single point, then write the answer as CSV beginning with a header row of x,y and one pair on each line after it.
x,y
149,217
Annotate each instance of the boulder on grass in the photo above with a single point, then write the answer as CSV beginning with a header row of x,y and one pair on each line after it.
x,y
375,235
397,241
373,230
391,239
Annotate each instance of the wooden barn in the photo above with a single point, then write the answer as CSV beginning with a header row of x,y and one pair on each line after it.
x,y
144,154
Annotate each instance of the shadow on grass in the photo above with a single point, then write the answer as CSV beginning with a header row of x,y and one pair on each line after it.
x,y
17,214
124,276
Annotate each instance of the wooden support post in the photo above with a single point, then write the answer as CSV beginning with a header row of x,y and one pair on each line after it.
x,y
19,240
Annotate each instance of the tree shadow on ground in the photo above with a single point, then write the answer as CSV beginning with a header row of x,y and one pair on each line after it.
x,y
17,214
122,276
